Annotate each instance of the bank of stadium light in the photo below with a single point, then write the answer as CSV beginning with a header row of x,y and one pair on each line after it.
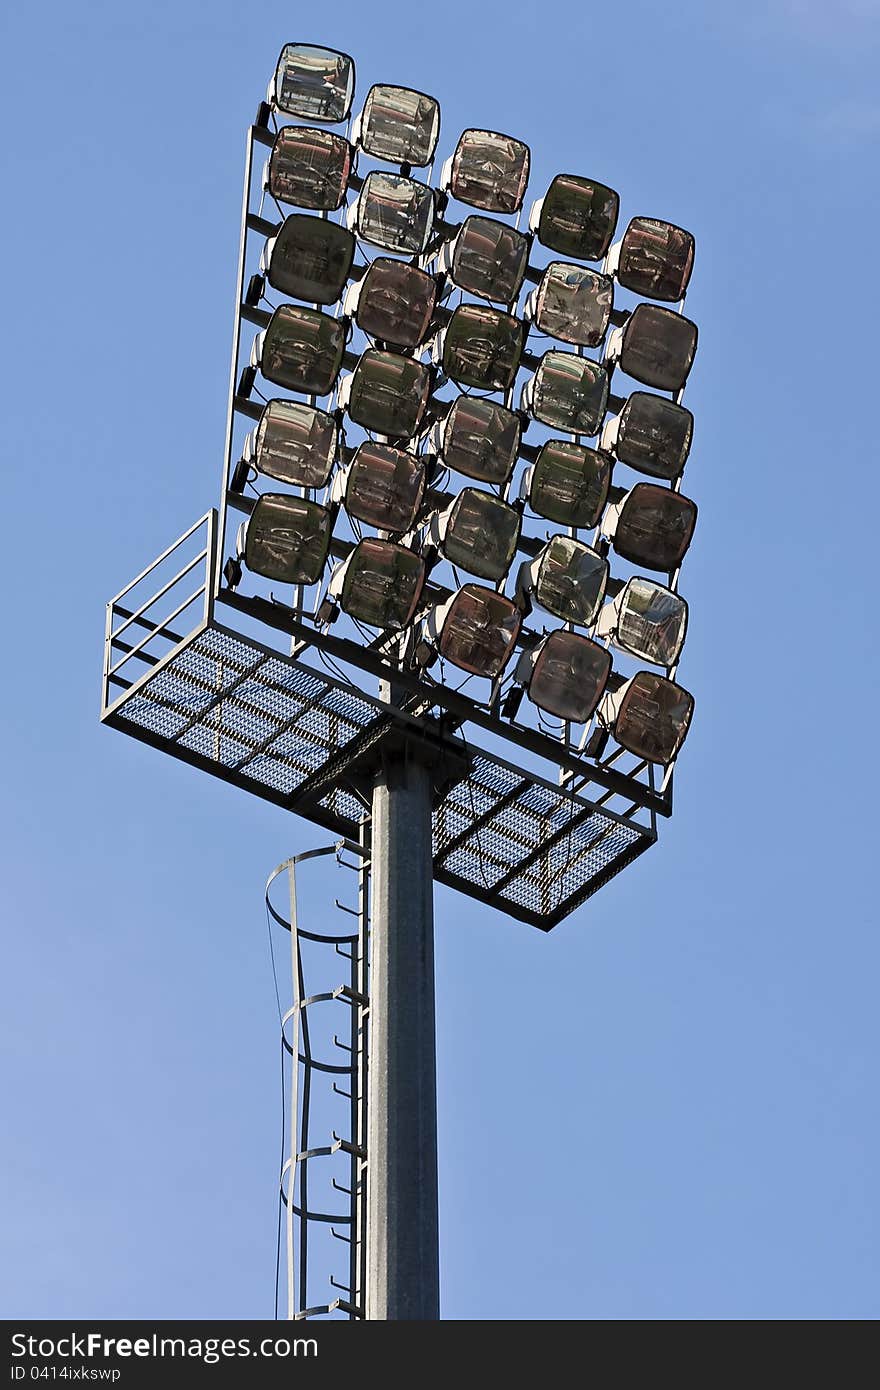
x,y
463,464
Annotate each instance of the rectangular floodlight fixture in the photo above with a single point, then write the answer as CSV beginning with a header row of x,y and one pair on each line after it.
x,y
314,83
567,578
393,303
309,258
565,675
567,392
301,349
651,434
294,443
286,539
653,258
568,483
572,303
487,258
656,346
646,620
651,526
576,217
475,630
478,533
393,212
380,584
387,393
479,438
488,170
649,715
399,125
481,347
382,487
309,168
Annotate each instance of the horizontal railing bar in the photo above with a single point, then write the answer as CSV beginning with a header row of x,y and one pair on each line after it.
x,y
164,556
142,622
181,608
181,574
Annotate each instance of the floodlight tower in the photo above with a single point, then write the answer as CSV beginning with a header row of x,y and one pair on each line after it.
x,y
398,546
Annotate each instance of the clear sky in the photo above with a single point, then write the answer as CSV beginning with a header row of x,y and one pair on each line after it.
x,y
666,1108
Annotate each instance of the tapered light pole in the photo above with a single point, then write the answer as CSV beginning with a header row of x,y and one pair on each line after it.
x,y
403,1279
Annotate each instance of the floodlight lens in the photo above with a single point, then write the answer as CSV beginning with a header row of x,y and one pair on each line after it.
x,y
287,539
311,258
479,631
490,171
490,259
569,676
651,622
481,439
578,217
574,304
482,347
315,83
389,393
302,349
482,534
295,443
658,347
656,259
385,487
655,527
383,583
400,125
655,435
309,168
571,580
395,213
654,717
570,483
396,302
569,393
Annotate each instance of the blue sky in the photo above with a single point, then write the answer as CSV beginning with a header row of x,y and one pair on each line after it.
x,y
666,1108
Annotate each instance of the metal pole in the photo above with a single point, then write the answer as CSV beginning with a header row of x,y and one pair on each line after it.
x,y
403,1280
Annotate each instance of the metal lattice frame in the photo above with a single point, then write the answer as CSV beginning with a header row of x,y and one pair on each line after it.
x,y
293,732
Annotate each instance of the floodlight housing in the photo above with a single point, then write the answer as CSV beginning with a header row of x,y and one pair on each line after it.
x,y
393,212
572,303
387,393
294,443
379,584
286,538
382,486
487,258
565,675
479,438
651,526
394,302
649,716
646,620
301,349
309,168
399,125
478,532
567,392
488,170
576,217
567,578
314,83
309,258
475,630
656,346
568,483
481,347
653,258
651,434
